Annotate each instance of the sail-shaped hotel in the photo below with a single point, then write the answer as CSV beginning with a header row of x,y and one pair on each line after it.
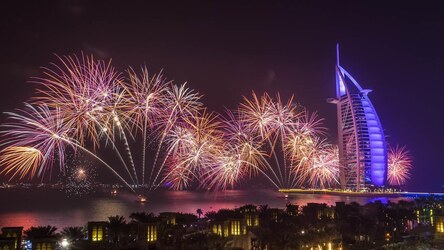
x,y
361,141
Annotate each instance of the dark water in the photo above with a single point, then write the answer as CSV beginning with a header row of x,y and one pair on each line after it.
x,y
34,207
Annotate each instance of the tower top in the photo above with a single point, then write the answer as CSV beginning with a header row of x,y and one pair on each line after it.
x,y
337,54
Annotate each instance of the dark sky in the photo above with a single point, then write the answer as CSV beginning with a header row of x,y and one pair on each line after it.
x,y
225,49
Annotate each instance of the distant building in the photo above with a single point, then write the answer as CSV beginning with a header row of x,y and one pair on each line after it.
x,y
361,141
317,211
169,218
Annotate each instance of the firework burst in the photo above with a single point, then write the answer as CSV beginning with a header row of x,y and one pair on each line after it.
x,y
195,146
324,170
38,128
85,90
80,177
399,166
20,161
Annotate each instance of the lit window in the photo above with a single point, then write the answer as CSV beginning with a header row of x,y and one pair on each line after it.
x,y
249,219
97,233
151,233
235,227
217,229
13,235
43,246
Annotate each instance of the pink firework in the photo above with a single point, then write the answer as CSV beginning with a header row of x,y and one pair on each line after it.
x,y
192,149
399,166
259,114
144,99
85,90
324,170
226,173
38,128
310,124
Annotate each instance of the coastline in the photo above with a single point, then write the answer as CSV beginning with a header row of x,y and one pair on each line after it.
x,y
360,194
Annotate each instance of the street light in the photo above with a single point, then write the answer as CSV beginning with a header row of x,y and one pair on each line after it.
x,y
64,243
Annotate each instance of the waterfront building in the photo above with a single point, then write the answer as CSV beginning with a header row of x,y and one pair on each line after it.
x,y
14,234
7,244
361,141
45,243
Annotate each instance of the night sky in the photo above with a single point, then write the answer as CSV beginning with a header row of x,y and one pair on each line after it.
x,y
226,49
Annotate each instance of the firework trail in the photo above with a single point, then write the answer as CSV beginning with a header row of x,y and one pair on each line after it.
x,y
145,98
182,102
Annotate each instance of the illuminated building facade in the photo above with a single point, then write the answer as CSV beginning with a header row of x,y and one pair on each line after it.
x,y
230,227
361,141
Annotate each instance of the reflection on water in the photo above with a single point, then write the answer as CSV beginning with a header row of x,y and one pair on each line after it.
x,y
28,207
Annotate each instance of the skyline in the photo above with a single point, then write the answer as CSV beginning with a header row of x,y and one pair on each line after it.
x,y
385,63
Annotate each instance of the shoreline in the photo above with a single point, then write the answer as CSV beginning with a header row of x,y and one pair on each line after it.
x,y
361,194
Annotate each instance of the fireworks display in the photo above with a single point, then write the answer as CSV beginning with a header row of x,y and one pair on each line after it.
x,y
84,105
399,166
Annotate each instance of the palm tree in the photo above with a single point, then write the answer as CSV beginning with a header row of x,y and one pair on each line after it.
x,y
248,208
142,217
40,232
116,225
263,208
73,233
292,209
199,212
